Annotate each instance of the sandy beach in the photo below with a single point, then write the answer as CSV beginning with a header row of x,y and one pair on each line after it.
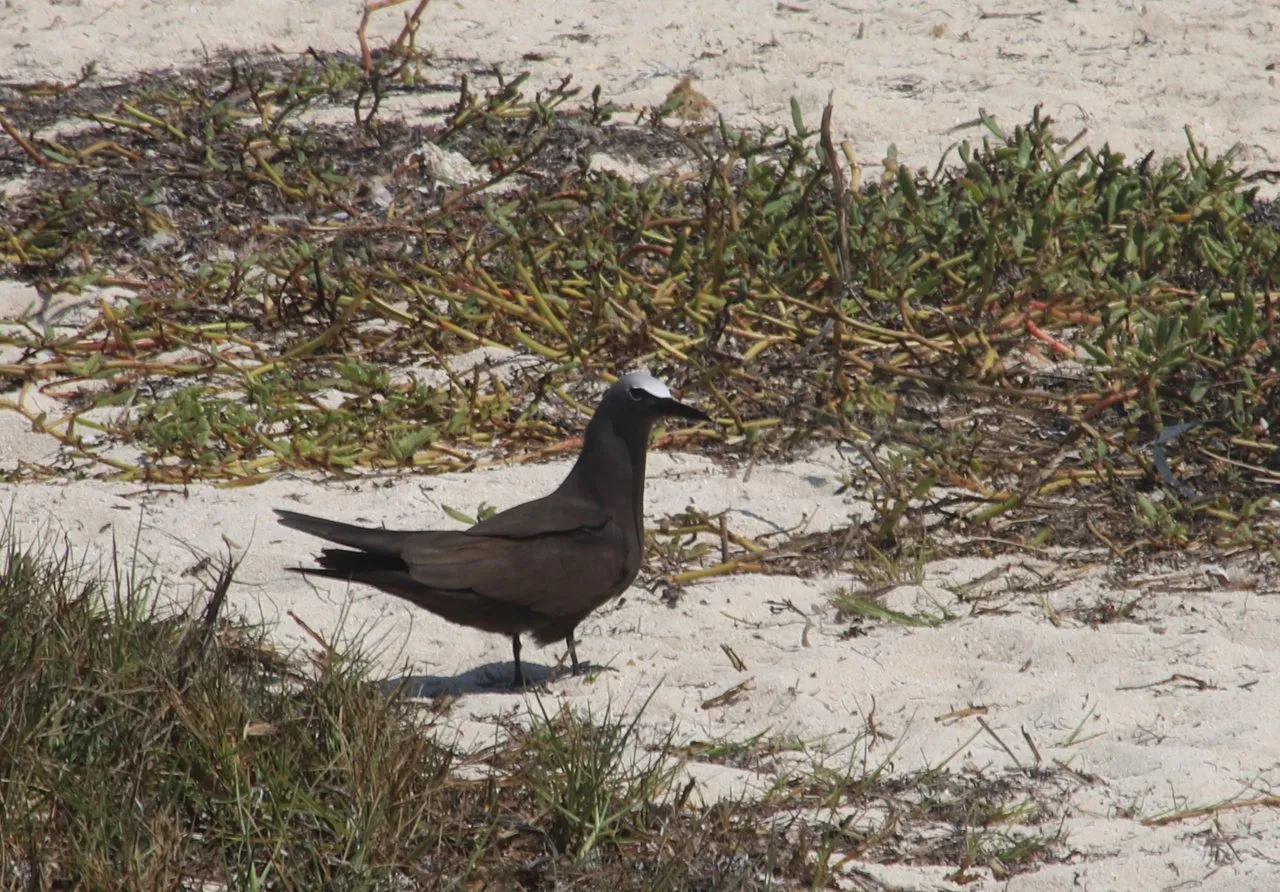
x,y
1171,708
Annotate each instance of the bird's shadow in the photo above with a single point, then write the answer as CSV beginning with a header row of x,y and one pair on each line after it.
x,y
491,678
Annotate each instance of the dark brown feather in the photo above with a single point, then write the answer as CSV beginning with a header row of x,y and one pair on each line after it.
x,y
539,567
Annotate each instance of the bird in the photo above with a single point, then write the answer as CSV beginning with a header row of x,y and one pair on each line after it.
x,y
538,568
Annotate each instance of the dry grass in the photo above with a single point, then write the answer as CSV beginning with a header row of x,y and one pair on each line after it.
x,y
1039,342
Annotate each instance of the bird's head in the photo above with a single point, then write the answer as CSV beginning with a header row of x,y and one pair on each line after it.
x,y
638,399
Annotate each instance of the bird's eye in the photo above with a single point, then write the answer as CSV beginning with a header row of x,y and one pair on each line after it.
x,y
638,393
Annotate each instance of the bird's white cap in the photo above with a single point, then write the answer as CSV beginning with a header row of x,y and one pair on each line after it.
x,y
647,383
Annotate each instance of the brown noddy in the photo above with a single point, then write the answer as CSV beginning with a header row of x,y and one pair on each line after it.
x,y
540,567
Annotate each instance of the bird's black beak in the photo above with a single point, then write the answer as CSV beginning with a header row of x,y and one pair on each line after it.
x,y
680,410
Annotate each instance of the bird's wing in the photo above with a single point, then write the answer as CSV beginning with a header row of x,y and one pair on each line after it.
x,y
551,514
555,574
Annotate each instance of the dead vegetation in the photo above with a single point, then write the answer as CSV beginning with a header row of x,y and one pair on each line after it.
x,y
1039,341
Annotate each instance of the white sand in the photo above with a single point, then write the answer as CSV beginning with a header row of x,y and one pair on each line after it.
x,y
907,72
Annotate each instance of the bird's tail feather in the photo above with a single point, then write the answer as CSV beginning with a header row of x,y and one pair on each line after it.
x,y
344,564
374,541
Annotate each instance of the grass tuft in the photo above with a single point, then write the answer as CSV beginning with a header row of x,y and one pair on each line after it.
x,y
147,748
595,776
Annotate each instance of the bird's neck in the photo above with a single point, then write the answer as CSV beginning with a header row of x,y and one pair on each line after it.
x,y
610,472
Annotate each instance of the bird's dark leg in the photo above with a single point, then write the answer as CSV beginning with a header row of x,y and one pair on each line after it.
x,y
515,650
573,655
